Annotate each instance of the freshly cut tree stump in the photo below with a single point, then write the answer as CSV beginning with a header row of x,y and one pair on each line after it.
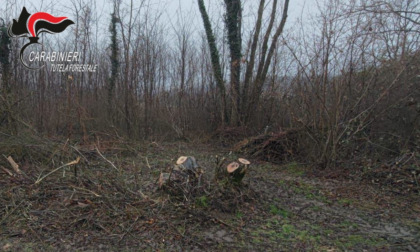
x,y
237,170
232,167
187,163
184,172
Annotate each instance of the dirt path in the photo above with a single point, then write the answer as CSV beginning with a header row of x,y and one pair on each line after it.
x,y
317,217
297,213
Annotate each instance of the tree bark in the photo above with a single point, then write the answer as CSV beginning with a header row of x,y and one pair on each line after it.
x,y
233,24
215,59
237,170
251,62
265,61
185,171
114,63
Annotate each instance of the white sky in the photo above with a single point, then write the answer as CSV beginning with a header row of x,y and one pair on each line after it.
x,y
171,8
173,12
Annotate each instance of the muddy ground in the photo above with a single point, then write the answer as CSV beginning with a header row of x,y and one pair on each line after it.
x,y
112,202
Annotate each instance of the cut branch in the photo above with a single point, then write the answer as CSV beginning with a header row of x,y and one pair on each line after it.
x,y
74,162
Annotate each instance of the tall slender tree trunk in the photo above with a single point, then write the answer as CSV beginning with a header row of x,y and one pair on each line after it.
x,y
266,58
215,60
233,24
114,63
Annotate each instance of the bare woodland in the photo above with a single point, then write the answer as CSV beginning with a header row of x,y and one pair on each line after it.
x,y
336,91
347,76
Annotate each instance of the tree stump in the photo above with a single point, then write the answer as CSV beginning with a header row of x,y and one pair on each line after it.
x,y
219,170
182,174
237,170
187,164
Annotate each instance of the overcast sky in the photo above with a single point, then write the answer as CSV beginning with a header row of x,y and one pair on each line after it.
x,y
173,12
171,8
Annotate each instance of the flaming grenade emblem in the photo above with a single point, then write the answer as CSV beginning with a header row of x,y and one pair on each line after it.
x,y
32,25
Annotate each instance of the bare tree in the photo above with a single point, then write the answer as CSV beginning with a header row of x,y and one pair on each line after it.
x,y
244,108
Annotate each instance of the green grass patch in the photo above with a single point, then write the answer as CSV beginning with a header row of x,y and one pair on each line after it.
x,y
239,214
358,241
202,201
345,202
348,224
294,169
316,208
309,191
283,231
278,211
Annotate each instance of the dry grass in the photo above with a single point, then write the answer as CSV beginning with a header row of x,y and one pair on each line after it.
x,y
109,200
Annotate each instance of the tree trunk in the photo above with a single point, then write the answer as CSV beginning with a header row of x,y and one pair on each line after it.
x,y
237,170
184,172
251,62
233,25
215,59
265,61
114,63
233,173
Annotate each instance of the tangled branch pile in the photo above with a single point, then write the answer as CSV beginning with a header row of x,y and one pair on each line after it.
x,y
277,148
402,174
